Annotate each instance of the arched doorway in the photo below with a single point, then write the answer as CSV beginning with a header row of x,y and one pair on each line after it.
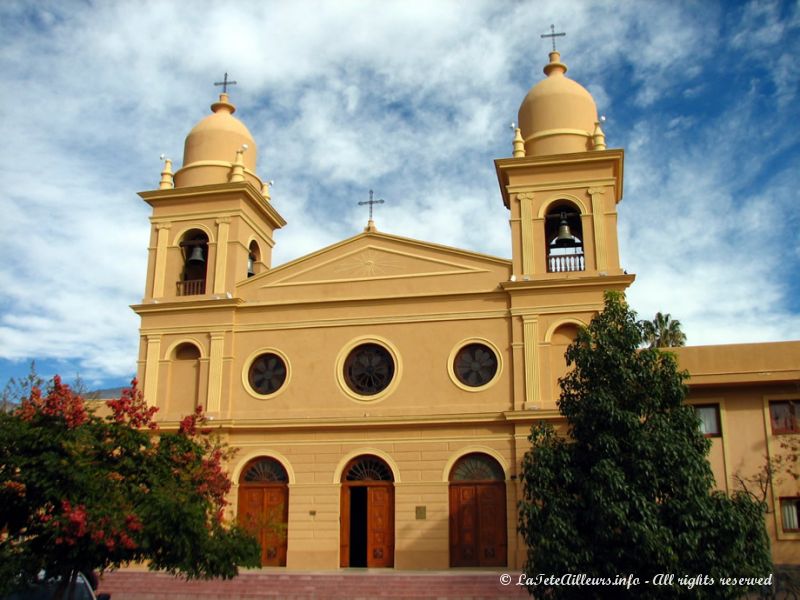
x,y
478,529
264,507
367,514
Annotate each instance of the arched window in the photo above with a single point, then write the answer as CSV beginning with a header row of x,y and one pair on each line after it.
x,y
253,258
264,470
562,337
184,380
564,238
367,468
477,467
195,262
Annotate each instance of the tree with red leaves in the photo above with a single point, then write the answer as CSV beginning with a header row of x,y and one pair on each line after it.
x,y
80,493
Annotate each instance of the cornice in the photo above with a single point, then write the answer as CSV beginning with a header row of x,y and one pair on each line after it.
x,y
592,182
504,166
561,159
215,191
605,281
496,417
305,302
206,303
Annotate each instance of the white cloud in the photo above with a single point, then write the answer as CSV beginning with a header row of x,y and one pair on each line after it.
x,y
411,99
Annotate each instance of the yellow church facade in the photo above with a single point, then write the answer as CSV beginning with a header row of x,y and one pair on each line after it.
x,y
380,391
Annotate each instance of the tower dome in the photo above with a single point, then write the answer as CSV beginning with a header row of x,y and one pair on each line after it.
x,y
558,116
211,148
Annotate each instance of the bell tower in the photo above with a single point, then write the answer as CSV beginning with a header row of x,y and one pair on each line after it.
x,y
212,227
562,184
562,187
212,221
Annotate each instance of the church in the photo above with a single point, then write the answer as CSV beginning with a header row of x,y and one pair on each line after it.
x,y
380,391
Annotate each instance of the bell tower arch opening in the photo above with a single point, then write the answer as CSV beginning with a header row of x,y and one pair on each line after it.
x,y
563,233
253,259
194,247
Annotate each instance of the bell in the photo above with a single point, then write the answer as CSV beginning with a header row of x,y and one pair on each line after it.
x,y
564,238
251,265
197,255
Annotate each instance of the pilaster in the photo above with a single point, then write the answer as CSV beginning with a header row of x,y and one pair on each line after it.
x,y
530,337
160,271
526,216
598,217
215,354
151,369
223,227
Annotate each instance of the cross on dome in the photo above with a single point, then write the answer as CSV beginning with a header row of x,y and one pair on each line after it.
x,y
553,35
225,83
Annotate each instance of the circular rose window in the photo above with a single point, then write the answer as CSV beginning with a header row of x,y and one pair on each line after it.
x,y
475,365
368,369
267,373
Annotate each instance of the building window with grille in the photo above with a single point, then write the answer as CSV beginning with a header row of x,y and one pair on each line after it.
x,y
790,514
784,416
709,419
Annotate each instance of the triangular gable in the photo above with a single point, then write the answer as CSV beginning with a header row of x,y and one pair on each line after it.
x,y
378,261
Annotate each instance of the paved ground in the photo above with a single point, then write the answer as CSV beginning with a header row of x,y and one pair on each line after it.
x,y
353,584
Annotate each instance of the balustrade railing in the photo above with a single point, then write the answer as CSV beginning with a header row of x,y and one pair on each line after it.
x,y
191,287
561,263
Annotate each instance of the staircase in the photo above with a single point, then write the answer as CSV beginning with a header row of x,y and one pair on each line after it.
x,y
353,584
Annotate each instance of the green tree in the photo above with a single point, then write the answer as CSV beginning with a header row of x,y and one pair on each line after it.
x,y
16,389
80,493
628,490
663,332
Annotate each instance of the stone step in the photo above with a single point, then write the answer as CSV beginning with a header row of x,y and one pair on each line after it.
x,y
129,584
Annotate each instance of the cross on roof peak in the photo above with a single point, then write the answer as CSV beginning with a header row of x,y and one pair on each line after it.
x,y
225,83
371,203
553,35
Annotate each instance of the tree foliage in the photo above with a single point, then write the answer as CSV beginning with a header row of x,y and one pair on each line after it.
x,y
629,490
663,332
81,493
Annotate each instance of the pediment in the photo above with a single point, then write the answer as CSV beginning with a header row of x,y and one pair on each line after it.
x,y
374,261
378,262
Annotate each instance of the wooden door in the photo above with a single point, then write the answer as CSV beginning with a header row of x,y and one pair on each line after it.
x,y
264,511
492,534
344,527
380,526
478,536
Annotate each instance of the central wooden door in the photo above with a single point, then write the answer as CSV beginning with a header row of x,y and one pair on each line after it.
x,y
264,509
478,528
367,515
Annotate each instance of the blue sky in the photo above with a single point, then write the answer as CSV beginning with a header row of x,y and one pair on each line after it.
x,y
414,100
